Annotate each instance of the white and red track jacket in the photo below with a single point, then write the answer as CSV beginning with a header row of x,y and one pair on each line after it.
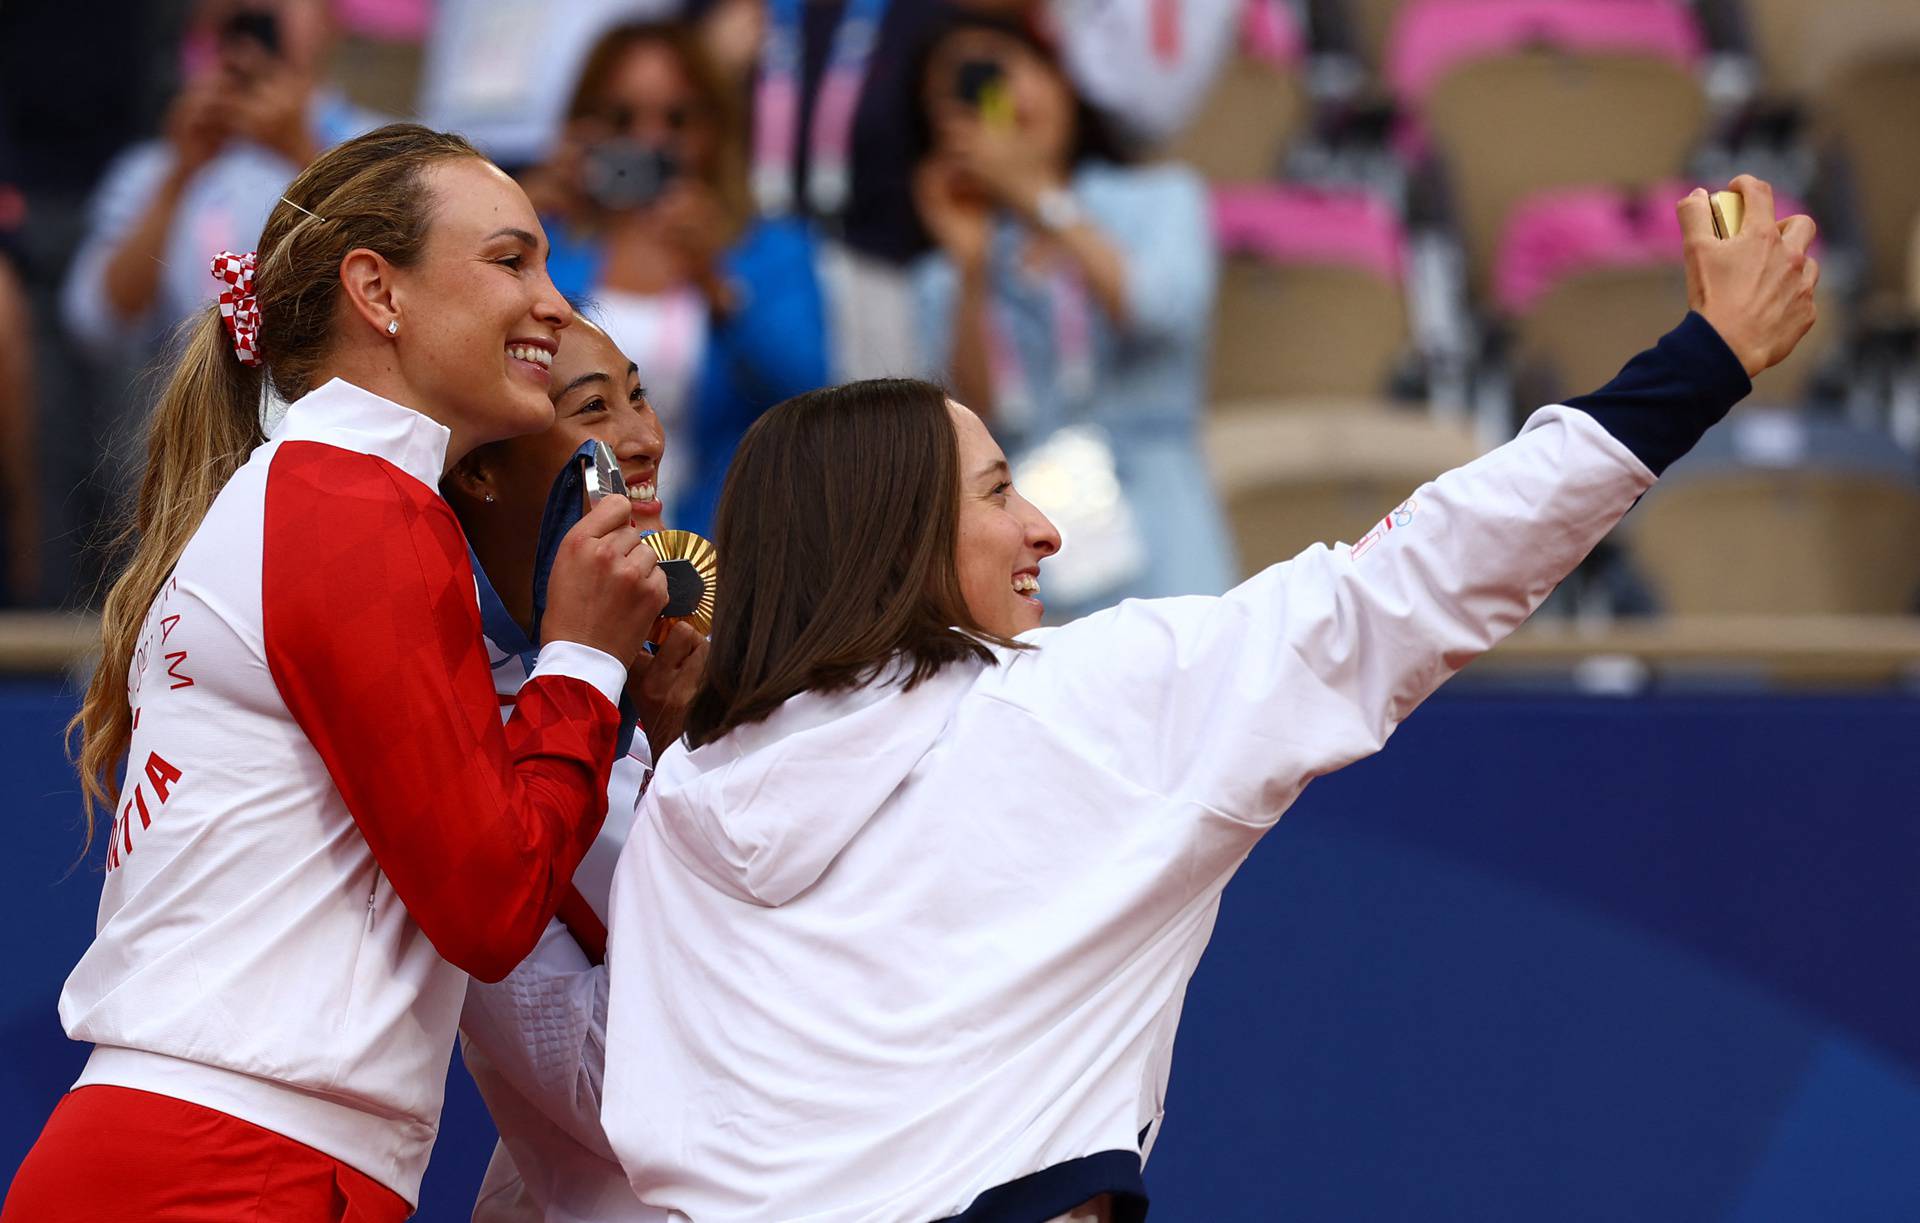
x,y
325,826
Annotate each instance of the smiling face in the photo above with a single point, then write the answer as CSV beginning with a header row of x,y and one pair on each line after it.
x,y
1001,537
500,491
479,319
596,394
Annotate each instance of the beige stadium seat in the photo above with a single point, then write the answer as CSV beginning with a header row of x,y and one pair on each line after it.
x,y
1304,330
1513,125
1871,111
1798,540
1290,476
1802,43
1585,328
1246,124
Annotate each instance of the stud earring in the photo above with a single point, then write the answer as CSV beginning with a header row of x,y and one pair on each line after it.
x,y
489,498
393,326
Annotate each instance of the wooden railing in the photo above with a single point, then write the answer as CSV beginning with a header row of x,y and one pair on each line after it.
x,y
1789,650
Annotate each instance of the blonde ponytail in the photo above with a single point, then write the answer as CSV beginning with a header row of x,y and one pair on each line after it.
x,y
206,422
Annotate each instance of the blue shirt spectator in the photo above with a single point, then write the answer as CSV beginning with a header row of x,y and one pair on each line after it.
x,y
645,203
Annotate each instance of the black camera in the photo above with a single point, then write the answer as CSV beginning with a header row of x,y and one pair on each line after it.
x,y
621,175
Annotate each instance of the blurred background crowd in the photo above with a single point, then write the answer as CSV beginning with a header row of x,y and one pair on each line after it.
x,y
1227,276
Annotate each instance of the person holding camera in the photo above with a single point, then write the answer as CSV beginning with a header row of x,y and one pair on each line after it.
x,y
1071,291
646,200
250,115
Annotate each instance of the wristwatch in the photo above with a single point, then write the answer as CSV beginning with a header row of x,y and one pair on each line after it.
x,y
1057,210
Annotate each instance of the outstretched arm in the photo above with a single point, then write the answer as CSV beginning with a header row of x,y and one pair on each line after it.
x,y
1237,702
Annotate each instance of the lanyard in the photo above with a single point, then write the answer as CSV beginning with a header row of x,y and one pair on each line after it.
x,y
777,107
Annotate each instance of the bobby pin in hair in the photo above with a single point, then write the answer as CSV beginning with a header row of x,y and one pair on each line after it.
x,y
289,203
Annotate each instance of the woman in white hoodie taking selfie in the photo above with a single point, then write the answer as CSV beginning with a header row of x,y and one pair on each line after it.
x,y
905,935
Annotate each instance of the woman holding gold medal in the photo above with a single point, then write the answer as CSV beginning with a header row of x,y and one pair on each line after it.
x,y
904,935
535,1042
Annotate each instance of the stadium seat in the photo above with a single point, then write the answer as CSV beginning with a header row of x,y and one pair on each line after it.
x,y
1242,132
1592,275
1431,38
1870,110
1800,44
1310,293
1290,477
1513,125
1783,516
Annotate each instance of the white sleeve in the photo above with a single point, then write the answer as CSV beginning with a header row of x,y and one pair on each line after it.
x,y
1237,702
544,1029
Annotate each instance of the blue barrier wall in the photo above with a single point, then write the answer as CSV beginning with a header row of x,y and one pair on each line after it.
x,y
1545,958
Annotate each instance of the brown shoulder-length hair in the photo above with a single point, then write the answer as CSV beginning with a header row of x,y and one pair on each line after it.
x,y
836,532
720,98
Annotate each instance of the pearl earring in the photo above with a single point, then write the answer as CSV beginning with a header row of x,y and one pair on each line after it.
x,y
393,326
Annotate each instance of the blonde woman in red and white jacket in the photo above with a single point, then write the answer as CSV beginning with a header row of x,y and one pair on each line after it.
x,y
324,826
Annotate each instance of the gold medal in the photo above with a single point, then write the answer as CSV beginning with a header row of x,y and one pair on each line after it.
x,y
692,567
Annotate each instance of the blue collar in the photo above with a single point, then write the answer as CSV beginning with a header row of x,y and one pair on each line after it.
x,y
508,641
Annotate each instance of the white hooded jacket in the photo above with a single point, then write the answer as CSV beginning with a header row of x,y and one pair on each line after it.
x,y
897,955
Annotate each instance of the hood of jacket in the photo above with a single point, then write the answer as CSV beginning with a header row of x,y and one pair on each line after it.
x,y
762,812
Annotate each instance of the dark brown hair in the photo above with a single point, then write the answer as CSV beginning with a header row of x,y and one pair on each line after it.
x,y
836,532
718,96
1094,137
369,192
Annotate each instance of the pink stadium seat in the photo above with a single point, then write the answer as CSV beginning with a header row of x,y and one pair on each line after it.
x,y
1556,234
1289,224
1431,37
1310,304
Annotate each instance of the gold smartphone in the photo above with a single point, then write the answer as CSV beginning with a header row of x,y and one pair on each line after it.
x,y
1729,209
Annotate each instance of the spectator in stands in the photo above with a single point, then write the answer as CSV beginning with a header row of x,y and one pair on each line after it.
x,y
646,202
499,71
1069,288
250,116
833,146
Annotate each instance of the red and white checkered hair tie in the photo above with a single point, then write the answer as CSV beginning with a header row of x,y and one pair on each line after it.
x,y
238,306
